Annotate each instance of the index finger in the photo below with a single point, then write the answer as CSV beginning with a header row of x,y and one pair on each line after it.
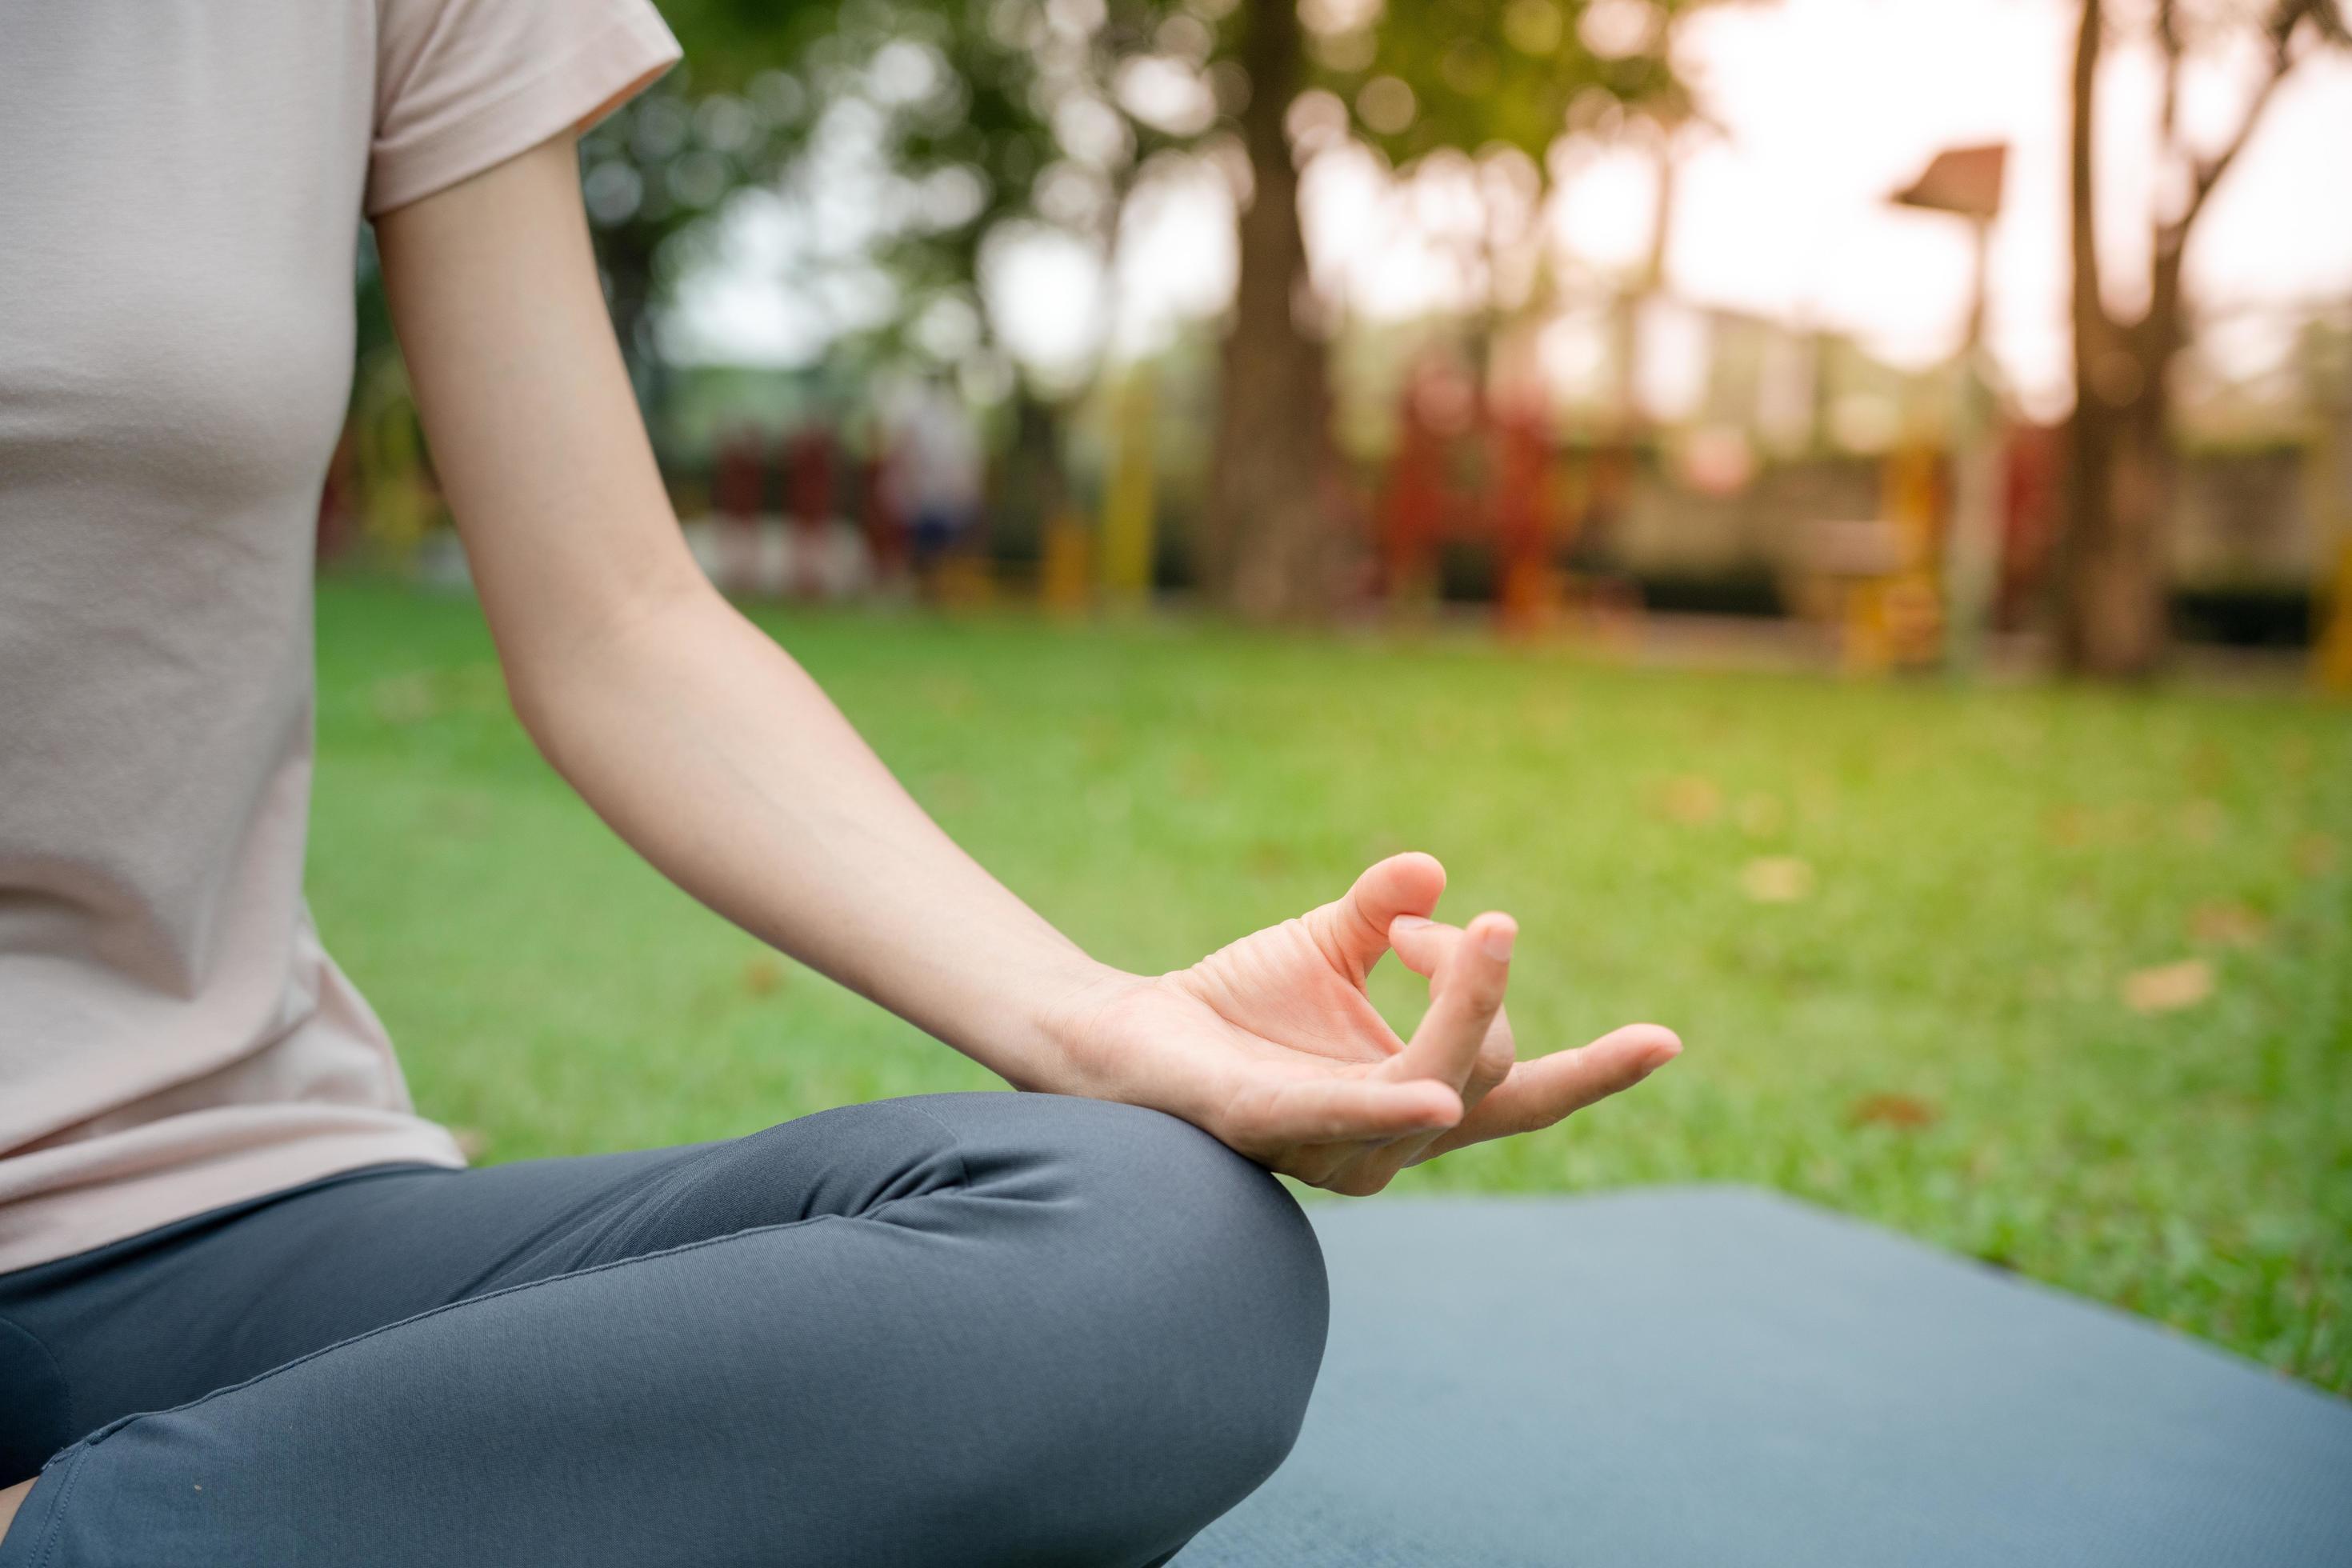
x,y
1463,997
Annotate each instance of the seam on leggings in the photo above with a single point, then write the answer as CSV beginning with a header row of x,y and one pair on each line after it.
x,y
73,1420
45,1550
109,1430
955,1146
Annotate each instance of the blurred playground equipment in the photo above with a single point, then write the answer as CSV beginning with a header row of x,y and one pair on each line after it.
x,y
1470,503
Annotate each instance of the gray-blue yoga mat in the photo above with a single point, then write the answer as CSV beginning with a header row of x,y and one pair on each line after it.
x,y
1724,1377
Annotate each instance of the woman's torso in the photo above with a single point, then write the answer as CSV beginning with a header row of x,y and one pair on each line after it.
x,y
178,211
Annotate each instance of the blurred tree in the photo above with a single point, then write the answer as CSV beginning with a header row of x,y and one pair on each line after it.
x,y
1266,547
664,165
1001,116
651,172
2111,550
1420,79
1030,131
1016,116
984,119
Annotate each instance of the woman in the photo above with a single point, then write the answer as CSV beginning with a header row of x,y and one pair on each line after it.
x,y
252,1310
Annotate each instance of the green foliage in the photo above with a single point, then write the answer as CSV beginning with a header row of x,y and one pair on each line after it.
x,y
662,166
991,113
1047,111
729,42
1495,73
1028,122
1929,1028
668,158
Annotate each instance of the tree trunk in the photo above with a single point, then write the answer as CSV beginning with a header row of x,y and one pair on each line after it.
x,y
1269,549
2110,598
2111,557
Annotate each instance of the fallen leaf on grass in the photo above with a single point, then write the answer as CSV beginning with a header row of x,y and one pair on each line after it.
x,y
1691,800
2067,827
1271,857
2204,821
2233,924
1900,1111
2168,987
1776,879
762,976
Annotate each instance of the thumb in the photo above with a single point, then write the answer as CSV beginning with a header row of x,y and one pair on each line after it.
x,y
1353,930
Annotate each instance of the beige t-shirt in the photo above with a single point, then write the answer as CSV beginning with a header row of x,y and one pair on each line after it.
x,y
180,196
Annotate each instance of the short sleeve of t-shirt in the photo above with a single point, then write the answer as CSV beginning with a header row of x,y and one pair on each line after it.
x,y
463,85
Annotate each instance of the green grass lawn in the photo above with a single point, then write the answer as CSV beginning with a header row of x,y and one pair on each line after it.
x,y
1927,1019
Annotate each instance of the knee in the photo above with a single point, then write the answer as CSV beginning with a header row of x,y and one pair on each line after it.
x,y
1189,1287
1218,1233
1237,1253
1115,1319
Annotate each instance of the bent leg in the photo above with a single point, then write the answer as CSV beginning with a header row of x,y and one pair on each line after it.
x,y
1037,1330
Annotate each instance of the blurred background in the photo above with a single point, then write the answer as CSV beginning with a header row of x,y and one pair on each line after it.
x,y
1831,510
1566,312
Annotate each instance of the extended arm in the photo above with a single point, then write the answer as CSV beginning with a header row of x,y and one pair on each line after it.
x,y
714,754
693,734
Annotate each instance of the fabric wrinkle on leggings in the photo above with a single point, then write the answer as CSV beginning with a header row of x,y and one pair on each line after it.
x,y
965,1328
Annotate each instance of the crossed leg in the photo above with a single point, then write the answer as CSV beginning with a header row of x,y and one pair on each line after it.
x,y
978,1329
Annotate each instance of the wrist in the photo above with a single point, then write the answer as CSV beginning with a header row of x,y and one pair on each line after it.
x,y
1066,1027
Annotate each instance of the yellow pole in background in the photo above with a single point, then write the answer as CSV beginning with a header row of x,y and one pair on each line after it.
x,y
1127,495
1063,578
2334,652
1909,606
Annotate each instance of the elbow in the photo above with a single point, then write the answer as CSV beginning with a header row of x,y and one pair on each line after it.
x,y
559,667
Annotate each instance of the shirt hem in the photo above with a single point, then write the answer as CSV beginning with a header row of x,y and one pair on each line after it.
x,y
149,1202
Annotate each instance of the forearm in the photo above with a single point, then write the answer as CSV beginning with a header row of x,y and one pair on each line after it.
x,y
717,757
700,742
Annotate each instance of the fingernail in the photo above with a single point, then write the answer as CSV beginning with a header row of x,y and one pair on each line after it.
x,y
1497,944
1409,922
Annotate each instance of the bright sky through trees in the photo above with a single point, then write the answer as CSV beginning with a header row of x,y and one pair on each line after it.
x,y
1825,107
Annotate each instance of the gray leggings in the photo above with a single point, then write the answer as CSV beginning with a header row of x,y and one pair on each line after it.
x,y
962,1329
